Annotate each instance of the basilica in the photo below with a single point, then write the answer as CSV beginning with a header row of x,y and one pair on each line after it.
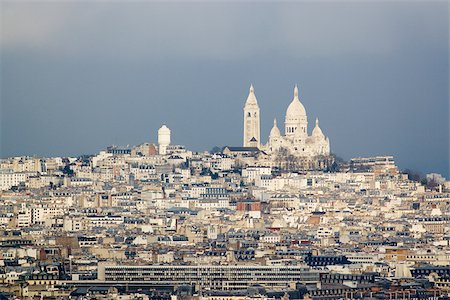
x,y
295,140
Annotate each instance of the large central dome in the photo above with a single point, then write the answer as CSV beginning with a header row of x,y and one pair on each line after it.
x,y
296,120
296,110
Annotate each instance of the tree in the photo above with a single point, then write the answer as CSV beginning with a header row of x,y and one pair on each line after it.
x,y
215,150
85,159
67,170
287,161
333,168
281,158
431,184
414,176
205,172
339,160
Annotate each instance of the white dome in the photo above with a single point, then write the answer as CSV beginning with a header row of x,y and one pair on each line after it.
x,y
164,135
164,130
317,132
163,139
275,132
295,110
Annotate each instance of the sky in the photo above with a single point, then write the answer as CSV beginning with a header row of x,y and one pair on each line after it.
x,y
79,76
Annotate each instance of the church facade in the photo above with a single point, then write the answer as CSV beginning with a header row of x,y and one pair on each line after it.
x,y
295,141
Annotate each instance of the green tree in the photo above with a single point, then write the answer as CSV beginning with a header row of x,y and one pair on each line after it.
x,y
215,149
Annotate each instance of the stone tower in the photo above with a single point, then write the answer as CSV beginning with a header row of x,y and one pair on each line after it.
x,y
251,121
163,139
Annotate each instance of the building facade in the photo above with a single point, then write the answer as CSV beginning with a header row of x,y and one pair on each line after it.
x,y
295,139
211,276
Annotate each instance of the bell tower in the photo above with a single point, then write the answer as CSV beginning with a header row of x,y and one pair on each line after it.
x,y
251,121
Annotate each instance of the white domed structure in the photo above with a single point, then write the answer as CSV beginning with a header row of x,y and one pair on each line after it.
x,y
319,140
296,119
317,132
163,139
296,139
275,132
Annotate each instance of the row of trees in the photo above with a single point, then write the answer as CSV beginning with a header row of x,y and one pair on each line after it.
x,y
419,177
287,161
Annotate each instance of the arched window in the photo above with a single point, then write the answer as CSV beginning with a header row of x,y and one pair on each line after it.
x,y
255,114
249,115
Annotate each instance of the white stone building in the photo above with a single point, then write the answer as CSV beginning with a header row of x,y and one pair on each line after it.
x,y
163,139
8,179
250,174
295,138
251,121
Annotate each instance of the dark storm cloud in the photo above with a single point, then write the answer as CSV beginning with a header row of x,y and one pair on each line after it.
x,y
79,76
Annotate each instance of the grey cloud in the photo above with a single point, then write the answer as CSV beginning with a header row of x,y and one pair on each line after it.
x,y
77,76
210,30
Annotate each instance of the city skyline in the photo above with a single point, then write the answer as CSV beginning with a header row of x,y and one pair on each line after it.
x,y
253,150
377,80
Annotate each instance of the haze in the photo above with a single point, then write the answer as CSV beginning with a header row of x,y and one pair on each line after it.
x,y
77,77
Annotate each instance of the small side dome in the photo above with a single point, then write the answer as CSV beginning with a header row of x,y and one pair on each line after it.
x,y
317,132
275,132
